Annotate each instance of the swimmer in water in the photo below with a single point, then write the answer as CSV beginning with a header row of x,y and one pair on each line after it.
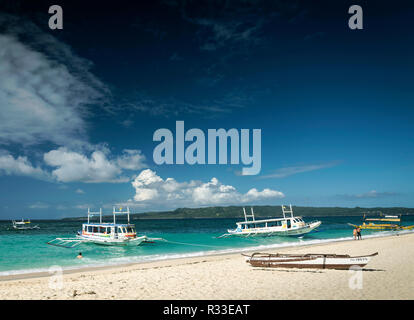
x,y
79,255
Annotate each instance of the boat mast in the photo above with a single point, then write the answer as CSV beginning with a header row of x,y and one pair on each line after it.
x,y
120,211
284,211
246,216
91,214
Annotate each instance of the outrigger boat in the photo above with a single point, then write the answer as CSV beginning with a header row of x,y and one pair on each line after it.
x,y
311,260
24,225
286,226
370,223
111,234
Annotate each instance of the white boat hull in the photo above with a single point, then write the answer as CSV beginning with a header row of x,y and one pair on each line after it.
x,y
312,261
113,242
25,228
276,231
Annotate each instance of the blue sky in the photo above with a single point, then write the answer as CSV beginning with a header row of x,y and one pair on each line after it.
x,y
79,106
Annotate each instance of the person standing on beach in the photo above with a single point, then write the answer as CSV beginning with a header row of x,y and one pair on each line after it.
x,y
355,233
359,233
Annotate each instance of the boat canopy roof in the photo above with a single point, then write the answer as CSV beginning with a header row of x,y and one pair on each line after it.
x,y
267,220
109,224
114,212
384,219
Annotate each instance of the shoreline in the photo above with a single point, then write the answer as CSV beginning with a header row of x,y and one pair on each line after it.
x,y
22,275
227,276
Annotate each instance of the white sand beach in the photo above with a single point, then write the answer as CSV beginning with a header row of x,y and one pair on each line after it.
x,y
388,276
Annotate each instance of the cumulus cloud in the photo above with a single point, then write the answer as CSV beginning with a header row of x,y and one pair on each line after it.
x,y
99,167
71,166
151,188
19,166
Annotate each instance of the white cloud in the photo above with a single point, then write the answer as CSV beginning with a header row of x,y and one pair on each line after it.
x,y
288,171
45,95
368,195
151,188
83,206
75,166
131,160
254,194
39,205
19,166
40,99
45,88
80,191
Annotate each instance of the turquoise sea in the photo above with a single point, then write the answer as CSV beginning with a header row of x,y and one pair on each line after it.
x,y
27,251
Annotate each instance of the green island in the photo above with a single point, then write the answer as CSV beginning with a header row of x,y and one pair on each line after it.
x,y
262,211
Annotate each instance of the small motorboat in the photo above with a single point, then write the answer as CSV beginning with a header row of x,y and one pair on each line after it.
x,y
24,225
310,260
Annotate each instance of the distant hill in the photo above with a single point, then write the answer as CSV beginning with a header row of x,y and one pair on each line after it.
x,y
261,211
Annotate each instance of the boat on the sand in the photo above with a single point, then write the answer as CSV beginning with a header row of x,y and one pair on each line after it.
x,y
310,260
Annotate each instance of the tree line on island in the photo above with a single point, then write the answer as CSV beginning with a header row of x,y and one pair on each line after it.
x,y
262,212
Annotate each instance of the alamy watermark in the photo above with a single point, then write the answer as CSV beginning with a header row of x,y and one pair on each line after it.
x,y
356,279
56,20
355,21
195,153
56,278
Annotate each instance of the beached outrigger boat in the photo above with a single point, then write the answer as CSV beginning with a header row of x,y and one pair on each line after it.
x,y
312,260
111,234
370,225
24,225
286,226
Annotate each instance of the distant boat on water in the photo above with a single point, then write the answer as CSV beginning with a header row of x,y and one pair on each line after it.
x,y
24,225
383,222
